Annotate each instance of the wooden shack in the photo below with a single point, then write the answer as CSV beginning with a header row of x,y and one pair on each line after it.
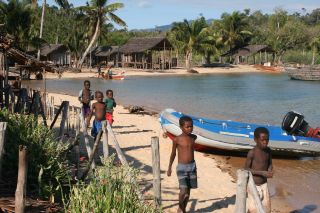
x,y
147,53
108,55
243,54
56,53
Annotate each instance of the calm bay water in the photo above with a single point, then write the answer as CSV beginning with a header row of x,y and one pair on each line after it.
x,y
259,98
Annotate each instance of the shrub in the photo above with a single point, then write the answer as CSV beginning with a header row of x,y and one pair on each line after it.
x,y
47,168
110,190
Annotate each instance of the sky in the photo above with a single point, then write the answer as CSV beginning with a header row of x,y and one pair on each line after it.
x,y
142,14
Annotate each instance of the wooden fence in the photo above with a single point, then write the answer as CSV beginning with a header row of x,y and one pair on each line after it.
x,y
72,123
245,183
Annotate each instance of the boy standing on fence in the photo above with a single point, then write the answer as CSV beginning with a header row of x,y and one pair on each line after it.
x,y
85,96
259,163
110,103
186,168
99,111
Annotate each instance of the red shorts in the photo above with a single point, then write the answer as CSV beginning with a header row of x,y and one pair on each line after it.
x,y
109,118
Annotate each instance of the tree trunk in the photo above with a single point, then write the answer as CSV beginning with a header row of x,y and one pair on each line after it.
x,y
41,24
188,61
313,56
93,40
207,58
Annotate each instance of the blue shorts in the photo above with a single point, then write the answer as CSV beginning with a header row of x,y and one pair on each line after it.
x,y
96,127
187,175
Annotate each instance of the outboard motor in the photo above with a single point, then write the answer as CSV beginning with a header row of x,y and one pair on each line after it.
x,y
294,124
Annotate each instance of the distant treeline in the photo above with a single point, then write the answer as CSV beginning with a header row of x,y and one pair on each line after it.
x,y
294,37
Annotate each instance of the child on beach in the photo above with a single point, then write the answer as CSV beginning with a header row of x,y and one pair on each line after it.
x,y
110,103
259,163
85,96
99,111
186,168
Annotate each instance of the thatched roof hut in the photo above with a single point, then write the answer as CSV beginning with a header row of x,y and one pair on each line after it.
x,y
248,50
106,51
140,45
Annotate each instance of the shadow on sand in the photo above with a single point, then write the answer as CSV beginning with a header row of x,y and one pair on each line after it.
x,y
306,209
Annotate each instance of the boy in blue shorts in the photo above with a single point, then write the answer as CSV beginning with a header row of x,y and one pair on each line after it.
x,y
99,111
186,168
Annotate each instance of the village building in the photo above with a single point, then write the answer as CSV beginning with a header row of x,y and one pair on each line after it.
x,y
57,54
146,53
259,54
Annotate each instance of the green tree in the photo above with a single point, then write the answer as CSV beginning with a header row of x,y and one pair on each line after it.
x,y
99,11
233,29
315,47
189,37
16,16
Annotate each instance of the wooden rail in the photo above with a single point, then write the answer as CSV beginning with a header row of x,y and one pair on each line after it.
x,y
244,183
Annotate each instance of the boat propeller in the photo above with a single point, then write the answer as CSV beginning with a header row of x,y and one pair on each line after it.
x,y
294,124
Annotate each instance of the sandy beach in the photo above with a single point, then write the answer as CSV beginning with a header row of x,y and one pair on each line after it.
x,y
91,73
217,188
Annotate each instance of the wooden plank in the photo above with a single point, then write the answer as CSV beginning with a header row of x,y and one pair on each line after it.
x,y
253,189
156,170
241,197
21,185
120,154
91,157
63,119
3,128
57,115
77,147
86,136
105,140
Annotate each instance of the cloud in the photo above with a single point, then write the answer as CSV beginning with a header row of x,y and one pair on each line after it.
x,y
144,3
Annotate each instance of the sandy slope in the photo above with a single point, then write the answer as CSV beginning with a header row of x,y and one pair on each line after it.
x,y
217,188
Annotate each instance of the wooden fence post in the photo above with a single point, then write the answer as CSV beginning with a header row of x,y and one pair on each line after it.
x,y
63,119
21,184
105,140
3,127
253,189
86,137
91,157
121,156
156,170
56,116
241,197
77,147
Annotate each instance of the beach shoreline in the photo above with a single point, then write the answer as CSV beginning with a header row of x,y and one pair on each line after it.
x,y
134,132
92,73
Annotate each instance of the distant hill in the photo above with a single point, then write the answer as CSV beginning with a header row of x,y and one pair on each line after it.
x,y
164,28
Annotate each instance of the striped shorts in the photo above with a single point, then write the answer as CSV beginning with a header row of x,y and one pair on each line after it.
x,y
187,175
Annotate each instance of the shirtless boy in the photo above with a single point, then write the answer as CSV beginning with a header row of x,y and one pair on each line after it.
x,y
85,96
259,163
186,168
99,111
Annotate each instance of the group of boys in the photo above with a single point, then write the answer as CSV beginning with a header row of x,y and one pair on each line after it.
x,y
259,163
101,109
259,159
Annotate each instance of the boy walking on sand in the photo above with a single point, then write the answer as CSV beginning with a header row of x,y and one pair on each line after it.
x,y
85,96
259,163
110,103
186,168
99,111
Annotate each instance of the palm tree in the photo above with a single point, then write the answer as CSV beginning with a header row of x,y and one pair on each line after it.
x,y
16,17
99,11
315,46
62,3
189,37
233,29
